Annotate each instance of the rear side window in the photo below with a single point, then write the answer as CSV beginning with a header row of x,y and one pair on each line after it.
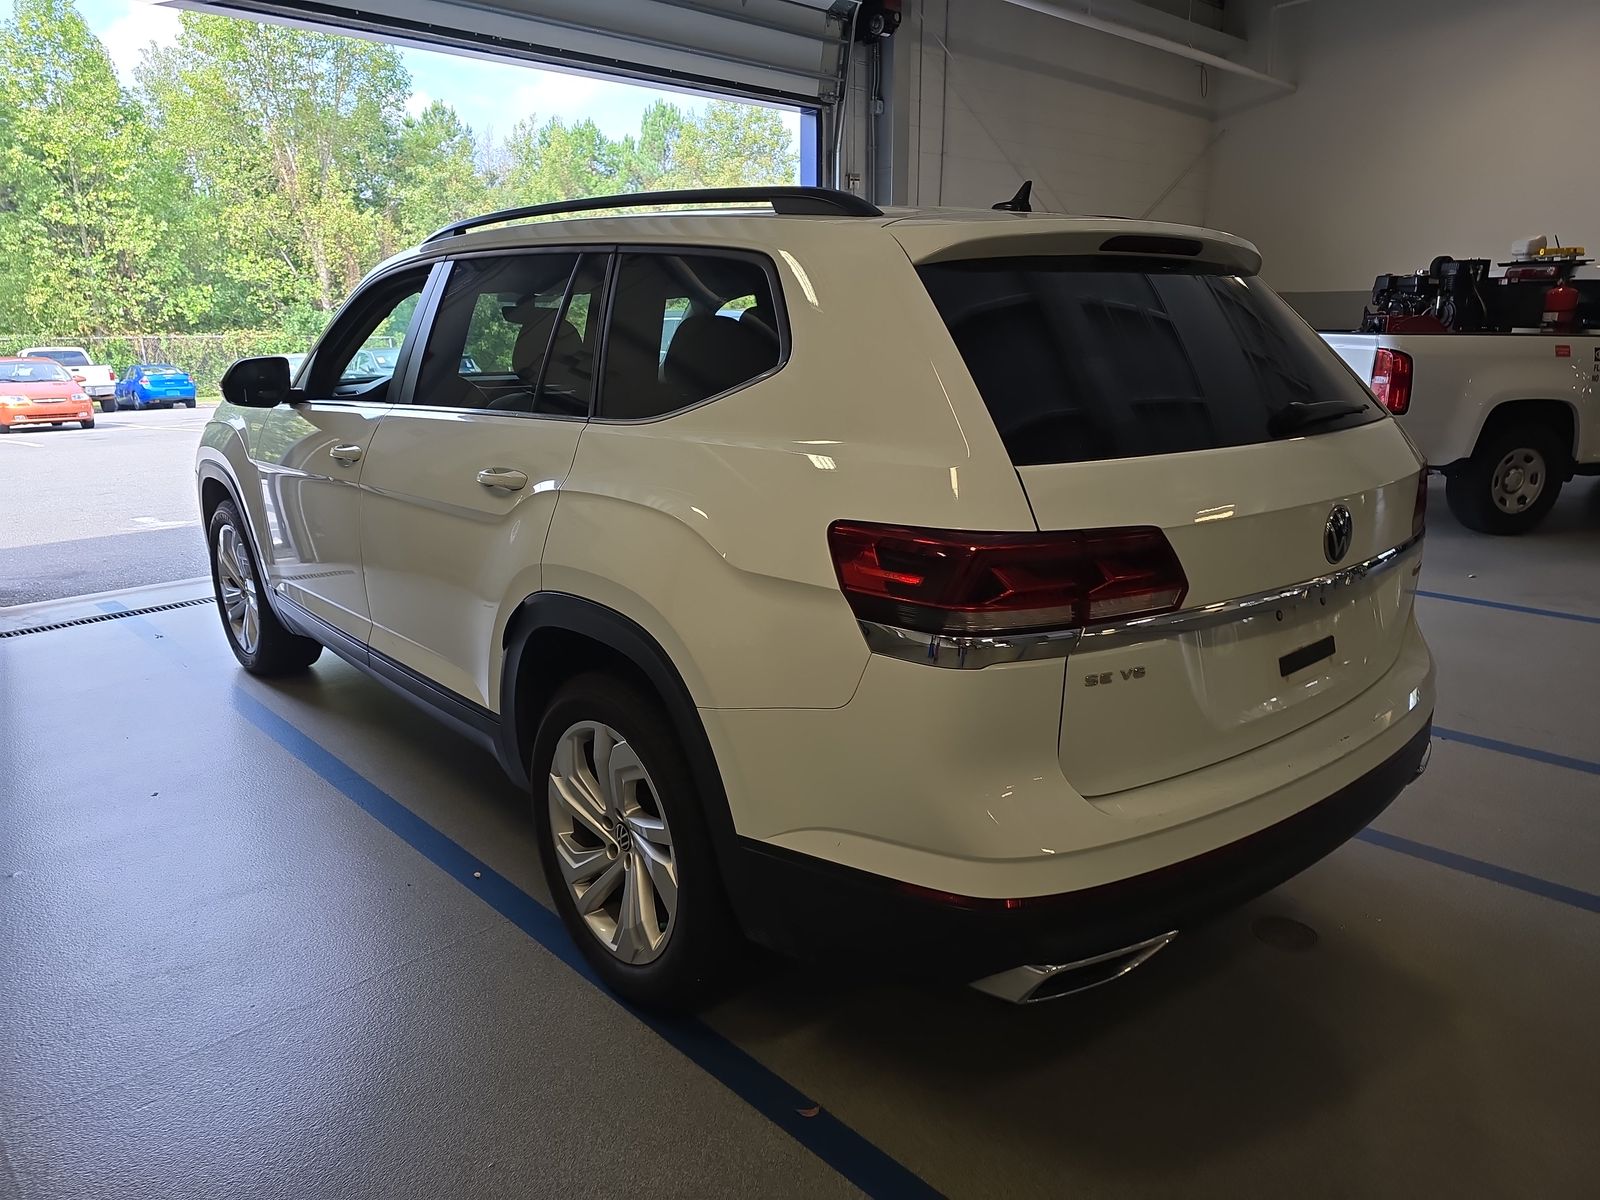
x,y
67,358
684,328
1077,362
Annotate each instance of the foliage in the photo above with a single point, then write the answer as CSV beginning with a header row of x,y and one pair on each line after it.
x,y
257,171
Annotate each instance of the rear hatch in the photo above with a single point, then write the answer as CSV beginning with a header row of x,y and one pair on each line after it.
x,y
1161,390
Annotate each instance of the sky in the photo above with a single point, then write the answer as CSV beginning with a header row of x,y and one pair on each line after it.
x,y
489,96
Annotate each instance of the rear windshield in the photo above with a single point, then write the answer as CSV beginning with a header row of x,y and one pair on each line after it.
x,y
1078,362
71,358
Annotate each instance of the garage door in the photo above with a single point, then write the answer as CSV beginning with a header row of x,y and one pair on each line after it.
x,y
793,51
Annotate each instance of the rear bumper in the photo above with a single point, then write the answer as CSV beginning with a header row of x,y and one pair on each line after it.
x,y
100,391
817,909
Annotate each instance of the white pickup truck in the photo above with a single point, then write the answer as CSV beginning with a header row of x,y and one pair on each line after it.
x,y
99,381
1507,417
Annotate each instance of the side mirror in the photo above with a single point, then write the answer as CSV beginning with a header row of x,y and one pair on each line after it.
x,y
257,382
77,378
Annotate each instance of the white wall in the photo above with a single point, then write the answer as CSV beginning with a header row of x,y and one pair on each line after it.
x,y
1099,124
1420,127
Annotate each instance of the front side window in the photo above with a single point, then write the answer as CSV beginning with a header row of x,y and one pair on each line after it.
x,y
359,354
512,335
1079,359
685,328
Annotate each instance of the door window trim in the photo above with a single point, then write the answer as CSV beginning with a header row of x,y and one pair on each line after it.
x,y
780,314
444,268
408,341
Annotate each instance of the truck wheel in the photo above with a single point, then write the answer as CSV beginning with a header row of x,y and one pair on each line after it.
x,y
108,404
188,403
1510,482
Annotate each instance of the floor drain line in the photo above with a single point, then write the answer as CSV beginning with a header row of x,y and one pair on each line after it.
x,y
105,616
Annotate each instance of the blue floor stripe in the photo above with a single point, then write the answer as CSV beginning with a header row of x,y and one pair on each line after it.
x,y
829,1138
1516,608
1532,884
1518,751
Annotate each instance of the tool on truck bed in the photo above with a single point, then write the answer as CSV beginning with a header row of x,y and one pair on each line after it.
x,y
1543,288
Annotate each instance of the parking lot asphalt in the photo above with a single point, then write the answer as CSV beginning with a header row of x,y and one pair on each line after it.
x,y
90,510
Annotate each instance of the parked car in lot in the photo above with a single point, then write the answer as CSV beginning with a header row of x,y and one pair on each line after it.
x,y
155,385
99,381
997,642
40,391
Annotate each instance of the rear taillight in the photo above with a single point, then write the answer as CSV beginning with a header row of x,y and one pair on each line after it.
x,y
1419,515
1391,380
943,581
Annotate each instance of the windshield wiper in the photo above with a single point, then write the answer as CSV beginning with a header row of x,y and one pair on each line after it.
x,y
1295,416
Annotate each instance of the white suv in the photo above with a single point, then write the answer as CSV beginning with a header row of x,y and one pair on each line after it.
x,y
984,595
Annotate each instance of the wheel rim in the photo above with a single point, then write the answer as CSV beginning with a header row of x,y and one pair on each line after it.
x,y
236,581
612,842
1518,480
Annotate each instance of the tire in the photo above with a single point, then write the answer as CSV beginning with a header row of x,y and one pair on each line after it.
x,y
108,404
89,424
1481,491
188,403
699,940
262,645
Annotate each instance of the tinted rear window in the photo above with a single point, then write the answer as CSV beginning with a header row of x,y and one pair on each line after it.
x,y
70,358
1078,362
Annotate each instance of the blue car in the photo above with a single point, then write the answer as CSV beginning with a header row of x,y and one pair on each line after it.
x,y
154,385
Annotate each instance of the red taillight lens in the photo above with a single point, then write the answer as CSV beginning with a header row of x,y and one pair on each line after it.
x,y
1419,515
1391,380
943,581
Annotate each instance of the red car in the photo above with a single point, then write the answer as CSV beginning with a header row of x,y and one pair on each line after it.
x,y
40,391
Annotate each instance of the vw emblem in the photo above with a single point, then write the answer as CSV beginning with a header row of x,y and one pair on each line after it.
x,y
1338,533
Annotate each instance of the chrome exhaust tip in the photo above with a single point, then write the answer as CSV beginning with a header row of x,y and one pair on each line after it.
x,y
1032,984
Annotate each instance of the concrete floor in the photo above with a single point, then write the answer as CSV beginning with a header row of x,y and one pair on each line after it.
x,y
243,953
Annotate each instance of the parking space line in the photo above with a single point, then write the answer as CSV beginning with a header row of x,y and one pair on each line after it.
x,y
1517,751
830,1139
1526,609
1532,884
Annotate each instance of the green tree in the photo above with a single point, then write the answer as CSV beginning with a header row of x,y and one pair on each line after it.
x,y
293,134
83,246
437,176
726,145
557,161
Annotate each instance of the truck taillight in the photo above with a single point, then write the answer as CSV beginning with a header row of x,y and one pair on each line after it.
x,y
1391,379
953,582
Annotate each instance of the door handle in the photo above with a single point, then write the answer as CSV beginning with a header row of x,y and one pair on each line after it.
x,y
502,477
346,454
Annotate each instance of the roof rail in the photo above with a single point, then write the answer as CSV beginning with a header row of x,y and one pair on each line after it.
x,y
789,201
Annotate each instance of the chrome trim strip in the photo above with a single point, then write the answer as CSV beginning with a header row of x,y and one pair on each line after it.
x,y
969,653
973,653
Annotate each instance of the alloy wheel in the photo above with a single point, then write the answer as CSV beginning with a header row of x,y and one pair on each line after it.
x,y
612,843
241,602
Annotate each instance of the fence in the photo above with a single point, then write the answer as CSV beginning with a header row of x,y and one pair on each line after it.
x,y
205,356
